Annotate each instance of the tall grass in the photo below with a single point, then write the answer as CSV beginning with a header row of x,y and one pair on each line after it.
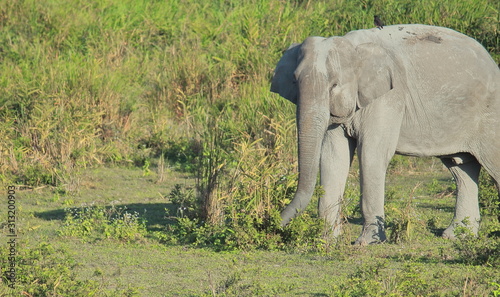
x,y
108,81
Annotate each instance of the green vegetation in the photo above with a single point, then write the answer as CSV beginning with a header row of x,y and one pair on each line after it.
x,y
150,142
46,271
113,222
56,256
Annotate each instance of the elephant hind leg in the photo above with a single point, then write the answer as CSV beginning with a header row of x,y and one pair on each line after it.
x,y
467,207
488,152
490,160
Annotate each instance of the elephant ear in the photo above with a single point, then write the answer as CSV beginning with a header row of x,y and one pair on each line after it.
x,y
375,73
283,81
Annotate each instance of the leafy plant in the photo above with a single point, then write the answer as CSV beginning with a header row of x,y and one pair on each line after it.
x,y
101,222
401,220
185,201
480,250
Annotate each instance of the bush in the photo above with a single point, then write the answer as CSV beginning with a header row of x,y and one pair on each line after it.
x,y
95,222
185,201
401,220
249,232
480,250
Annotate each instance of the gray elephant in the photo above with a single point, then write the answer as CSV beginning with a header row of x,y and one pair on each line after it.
x,y
414,90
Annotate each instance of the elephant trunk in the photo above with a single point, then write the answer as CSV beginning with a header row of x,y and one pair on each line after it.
x,y
312,123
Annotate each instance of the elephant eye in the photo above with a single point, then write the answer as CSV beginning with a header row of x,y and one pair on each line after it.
x,y
332,88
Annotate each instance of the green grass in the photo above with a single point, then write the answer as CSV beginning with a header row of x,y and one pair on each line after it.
x,y
120,81
107,105
423,264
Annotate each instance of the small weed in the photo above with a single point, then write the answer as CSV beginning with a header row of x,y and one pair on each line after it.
x,y
401,221
145,168
162,170
463,230
197,233
363,282
185,201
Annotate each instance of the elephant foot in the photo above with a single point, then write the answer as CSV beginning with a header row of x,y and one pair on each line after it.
x,y
333,228
449,233
372,234
336,231
462,228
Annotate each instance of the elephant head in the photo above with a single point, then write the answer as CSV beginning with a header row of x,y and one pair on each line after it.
x,y
328,79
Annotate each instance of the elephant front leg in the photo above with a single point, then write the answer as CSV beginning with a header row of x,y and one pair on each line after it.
x,y
336,157
467,207
378,128
372,178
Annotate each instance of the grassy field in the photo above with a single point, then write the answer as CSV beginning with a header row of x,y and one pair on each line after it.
x,y
148,157
59,263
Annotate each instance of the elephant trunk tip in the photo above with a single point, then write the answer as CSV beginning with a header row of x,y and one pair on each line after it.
x,y
287,215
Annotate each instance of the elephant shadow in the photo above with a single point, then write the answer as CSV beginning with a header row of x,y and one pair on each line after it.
x,y
154,214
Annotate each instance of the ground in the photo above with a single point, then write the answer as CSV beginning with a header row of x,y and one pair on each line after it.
x,y
148,267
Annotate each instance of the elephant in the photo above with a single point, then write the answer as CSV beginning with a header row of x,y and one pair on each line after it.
x,y
414,90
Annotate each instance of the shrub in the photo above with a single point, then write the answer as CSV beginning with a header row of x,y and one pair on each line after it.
x,y
401,221
482,250
185,201
93,222
248,231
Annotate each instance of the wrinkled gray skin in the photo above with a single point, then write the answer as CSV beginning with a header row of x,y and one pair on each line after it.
x,y
414,90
